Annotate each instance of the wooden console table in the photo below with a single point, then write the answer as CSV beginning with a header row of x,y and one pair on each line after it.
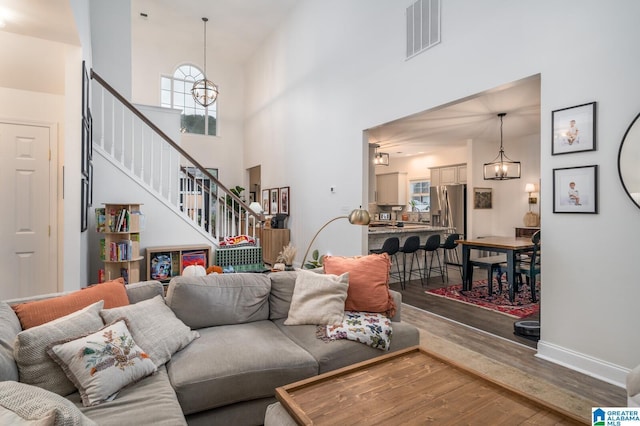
x,y
526,232
273,240
413,386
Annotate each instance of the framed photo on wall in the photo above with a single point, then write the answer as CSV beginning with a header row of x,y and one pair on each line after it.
x,y
284,200
575,190
265,201
274,200
574,129
482,198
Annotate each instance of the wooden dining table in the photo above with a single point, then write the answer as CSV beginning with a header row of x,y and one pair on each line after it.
x,y
511,246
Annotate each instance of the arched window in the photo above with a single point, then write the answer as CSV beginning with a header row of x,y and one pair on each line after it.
x,y
175,92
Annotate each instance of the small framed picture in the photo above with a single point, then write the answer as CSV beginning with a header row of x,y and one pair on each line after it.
x,y
575,190
574,129
274,200
482,198
265,201
252,197
284,200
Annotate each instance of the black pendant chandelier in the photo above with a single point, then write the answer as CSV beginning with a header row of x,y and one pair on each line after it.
x,y
204,92
380,158
501,168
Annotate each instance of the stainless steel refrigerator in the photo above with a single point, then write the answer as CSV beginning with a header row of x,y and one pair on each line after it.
x,y
449,207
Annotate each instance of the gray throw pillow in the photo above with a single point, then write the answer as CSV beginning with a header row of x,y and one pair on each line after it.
x,y
219,299
9,329
30,351
26,404
154,327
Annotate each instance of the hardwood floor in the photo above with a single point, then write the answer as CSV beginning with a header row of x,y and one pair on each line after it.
x,y
483,319
491,334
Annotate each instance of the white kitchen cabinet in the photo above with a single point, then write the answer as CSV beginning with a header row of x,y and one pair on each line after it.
x,y
435,177
448,175
462,173
392,189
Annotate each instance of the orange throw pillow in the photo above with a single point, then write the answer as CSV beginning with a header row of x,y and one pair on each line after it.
x,y
39,312
368,282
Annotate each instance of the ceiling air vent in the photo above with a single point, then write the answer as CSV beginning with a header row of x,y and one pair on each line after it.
x,y
423,26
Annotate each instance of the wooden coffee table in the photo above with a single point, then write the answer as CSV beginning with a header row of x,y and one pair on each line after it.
x,y
413,386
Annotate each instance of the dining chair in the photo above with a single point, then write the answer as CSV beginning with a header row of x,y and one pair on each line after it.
x,y
391,246
410,247
529,266
450,257
493,264
431,246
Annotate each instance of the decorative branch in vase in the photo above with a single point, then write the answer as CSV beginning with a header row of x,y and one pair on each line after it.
x,y
287,256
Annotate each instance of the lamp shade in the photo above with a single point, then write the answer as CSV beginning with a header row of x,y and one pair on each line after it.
x,y
530,187
359,217
356,217
256,207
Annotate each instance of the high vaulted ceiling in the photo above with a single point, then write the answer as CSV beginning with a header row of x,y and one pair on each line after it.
x,y
237,27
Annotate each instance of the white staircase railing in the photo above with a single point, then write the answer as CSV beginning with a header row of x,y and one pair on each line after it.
x,y
130,140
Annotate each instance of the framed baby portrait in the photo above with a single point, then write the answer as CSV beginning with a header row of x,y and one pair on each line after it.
x,y
575,190
574,129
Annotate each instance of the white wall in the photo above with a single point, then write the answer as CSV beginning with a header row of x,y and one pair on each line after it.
x,y
111,42
224,151
336,68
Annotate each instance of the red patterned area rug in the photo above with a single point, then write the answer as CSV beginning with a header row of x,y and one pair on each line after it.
x,y
499,302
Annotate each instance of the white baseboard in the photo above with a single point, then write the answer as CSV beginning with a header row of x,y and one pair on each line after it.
x,y
585,364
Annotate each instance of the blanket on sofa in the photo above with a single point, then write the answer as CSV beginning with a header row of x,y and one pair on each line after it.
x,y
372,329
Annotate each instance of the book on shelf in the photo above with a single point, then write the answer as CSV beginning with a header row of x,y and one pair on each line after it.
x,y
120,250
194,258
102,249
100,220
161,266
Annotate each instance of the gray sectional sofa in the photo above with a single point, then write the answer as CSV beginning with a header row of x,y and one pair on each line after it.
x,y
229,373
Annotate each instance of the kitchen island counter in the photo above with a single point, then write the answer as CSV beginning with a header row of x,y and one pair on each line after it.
x,y
407,228
378,234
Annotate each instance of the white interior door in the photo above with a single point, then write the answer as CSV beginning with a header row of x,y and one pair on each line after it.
x,y
25,251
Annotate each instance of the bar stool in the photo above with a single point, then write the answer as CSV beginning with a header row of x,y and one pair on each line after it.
x,y
411,246
391,246
450,252
431,246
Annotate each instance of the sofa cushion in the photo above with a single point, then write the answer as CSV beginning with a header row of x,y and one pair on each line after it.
x,y
30,351
234,363
318,299
282,284
368,281
101,363
151,401
340,353
144,290
219,299
154,327
39,312
9,329
36,406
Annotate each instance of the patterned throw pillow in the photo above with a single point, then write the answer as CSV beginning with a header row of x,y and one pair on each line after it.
x,y
372,329
103,362
155,328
